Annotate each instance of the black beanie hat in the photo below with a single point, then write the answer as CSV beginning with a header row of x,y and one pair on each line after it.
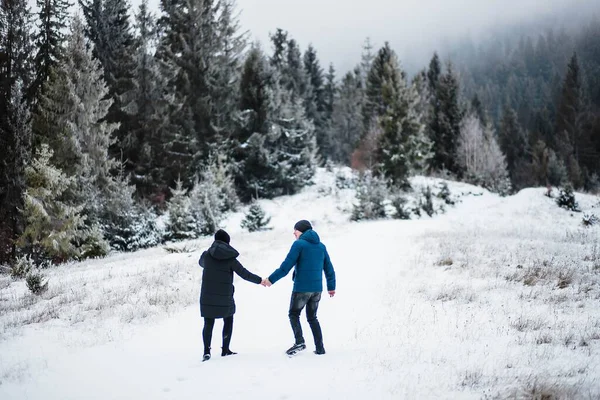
x,y
302,225
222,236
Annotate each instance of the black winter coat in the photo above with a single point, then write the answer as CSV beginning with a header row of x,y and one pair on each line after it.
x,y
216,295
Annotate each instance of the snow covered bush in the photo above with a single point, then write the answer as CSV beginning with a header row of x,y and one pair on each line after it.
x,y
22,267
445,194
481,158
181,223
35,283
589,220
427,205
371,193
566,199
136,230
256,219
399,203
212,196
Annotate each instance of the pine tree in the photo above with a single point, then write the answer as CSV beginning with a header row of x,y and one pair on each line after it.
x,y
150,111
114,46
515,146
256,169
86,124
189,43
225,70
366,60
293,77
315,101
212,196
256,219
15,144
181,223
573,139
279,40
445,124
53,227
400,149
375,105
15,79
49,39
346,126
277,148
293,141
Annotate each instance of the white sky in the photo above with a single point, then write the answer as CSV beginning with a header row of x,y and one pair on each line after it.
x,y
414,28
338,29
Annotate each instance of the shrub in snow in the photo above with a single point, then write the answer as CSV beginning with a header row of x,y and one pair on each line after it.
x,y
399,203
481,158
371,193
22,267
92,243
566,199
35,283
181,223
589,220
256,219
345,179
212,196
445,194
427,205
137,229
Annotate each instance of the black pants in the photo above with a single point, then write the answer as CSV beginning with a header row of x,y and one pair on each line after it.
x,y
209,324
311,301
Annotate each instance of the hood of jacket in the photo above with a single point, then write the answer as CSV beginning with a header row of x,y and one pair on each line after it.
x,y
310,236
222,251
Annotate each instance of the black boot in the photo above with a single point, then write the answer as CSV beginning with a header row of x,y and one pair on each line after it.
x,y
227,352
206,355
320,349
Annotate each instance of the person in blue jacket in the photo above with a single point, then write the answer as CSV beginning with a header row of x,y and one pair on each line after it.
x,y
310,258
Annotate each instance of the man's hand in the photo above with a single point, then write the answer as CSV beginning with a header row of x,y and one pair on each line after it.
x,y
266,283
331,293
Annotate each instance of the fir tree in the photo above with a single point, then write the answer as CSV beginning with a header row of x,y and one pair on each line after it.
x,y
49,39
315,101
15,144
53,227
150,111
445,125
514,145
256,219
398,150
181,223
346,125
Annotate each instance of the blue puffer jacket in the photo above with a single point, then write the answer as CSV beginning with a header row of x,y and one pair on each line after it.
x,y
310,257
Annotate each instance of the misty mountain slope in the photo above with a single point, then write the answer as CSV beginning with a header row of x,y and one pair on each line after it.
x,y
497,297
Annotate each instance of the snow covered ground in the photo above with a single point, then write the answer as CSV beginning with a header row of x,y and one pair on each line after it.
x,y
496,298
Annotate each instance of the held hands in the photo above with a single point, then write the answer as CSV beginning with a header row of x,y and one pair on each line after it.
x,y
266,283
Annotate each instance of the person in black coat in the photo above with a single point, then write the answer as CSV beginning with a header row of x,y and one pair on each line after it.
x,y
216,294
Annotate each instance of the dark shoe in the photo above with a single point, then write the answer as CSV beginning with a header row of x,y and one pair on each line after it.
x,y
227,352
206,357
295,349
320,351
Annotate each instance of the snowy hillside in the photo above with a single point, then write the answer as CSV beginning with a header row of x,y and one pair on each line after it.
x,y
495,298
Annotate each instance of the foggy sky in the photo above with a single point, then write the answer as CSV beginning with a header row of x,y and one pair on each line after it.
x,y
414,28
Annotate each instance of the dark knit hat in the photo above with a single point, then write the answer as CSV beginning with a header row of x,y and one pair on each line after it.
x,y
222,236
302,225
